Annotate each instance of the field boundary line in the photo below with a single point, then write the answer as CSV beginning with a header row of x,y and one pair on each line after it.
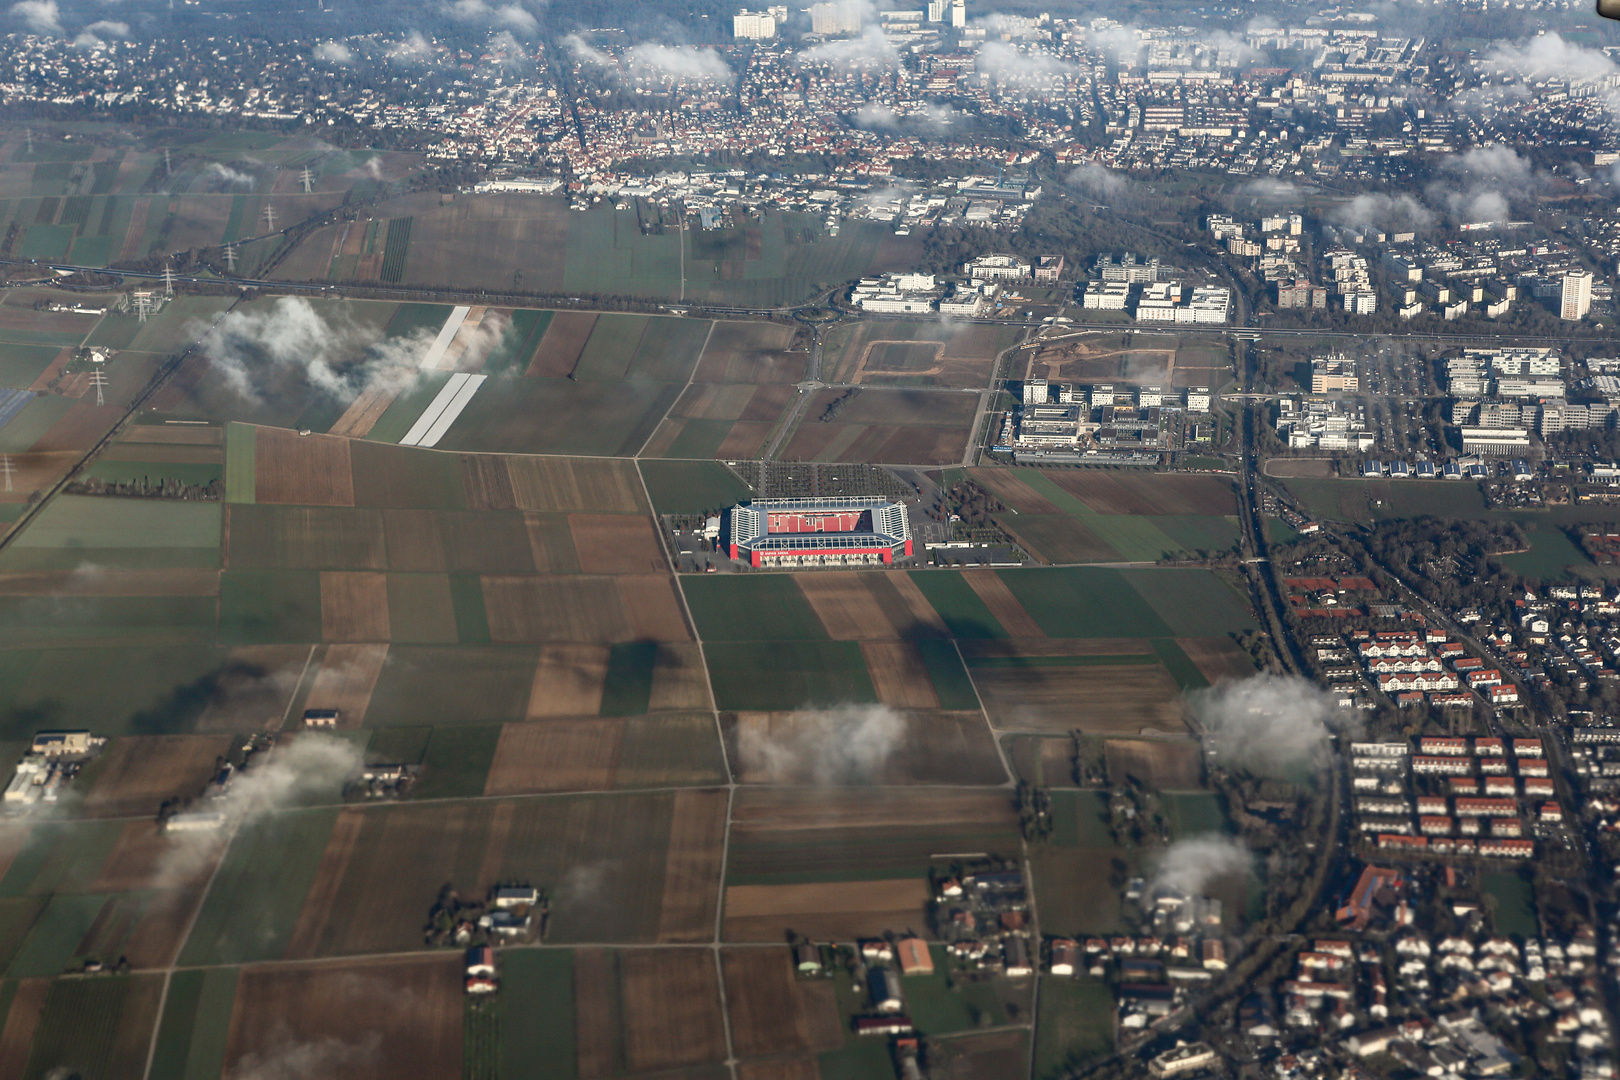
x,y
690,376
180,947
995,736
286,713
725,760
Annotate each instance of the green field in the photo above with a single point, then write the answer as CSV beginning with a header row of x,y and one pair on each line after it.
x,y
195,1024
1084,602
537,985
492,685
115,691
80,1032
750,607
55,937
964,614
1513,901
261,607
256,897
691,487
1074,1025
1377,500
1193,603
777,675
138,533
456,761
20,365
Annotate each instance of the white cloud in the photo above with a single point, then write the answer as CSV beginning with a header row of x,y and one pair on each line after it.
x,y
1192,865
652,61
676,62
39,16
251,349
412,47
333,52
849,745
1120,42
512,16
1270,189
109,28
1548,56
871,49
1269,724
1377,210
584,54
875,115
1098,181
1009,63
223,176
1481,184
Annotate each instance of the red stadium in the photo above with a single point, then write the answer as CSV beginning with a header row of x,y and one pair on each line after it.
x,y
840,531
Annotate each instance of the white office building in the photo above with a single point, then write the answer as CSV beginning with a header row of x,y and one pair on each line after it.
x,y
833,18
758,25
1576,295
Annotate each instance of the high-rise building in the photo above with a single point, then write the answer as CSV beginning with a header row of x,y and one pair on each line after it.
x,y
758,25
835,17
958,14
936,10
1577,295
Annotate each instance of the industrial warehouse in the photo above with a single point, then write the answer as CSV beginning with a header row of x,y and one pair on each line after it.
x,y
834,531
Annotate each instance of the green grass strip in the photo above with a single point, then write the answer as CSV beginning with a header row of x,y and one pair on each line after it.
x,y
396,248
240,476
1179,664
1062,661
964,614
467,598
949,677
179,1021
1045,487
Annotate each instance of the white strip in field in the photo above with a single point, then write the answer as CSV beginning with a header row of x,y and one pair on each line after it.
x,y
441,401
451,411
447,334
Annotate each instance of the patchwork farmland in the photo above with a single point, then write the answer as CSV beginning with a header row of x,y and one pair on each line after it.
x,y
483,601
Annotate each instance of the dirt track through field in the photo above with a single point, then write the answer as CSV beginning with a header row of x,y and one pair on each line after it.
x,y
348,675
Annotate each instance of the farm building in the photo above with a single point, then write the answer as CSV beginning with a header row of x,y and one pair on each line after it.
x,y
195,821
807,958
884,986
517,896
914,956
834,531
320,718
57,743
1065,956
480,961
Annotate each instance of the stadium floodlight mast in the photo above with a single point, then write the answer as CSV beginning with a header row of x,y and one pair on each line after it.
x,y
98,379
